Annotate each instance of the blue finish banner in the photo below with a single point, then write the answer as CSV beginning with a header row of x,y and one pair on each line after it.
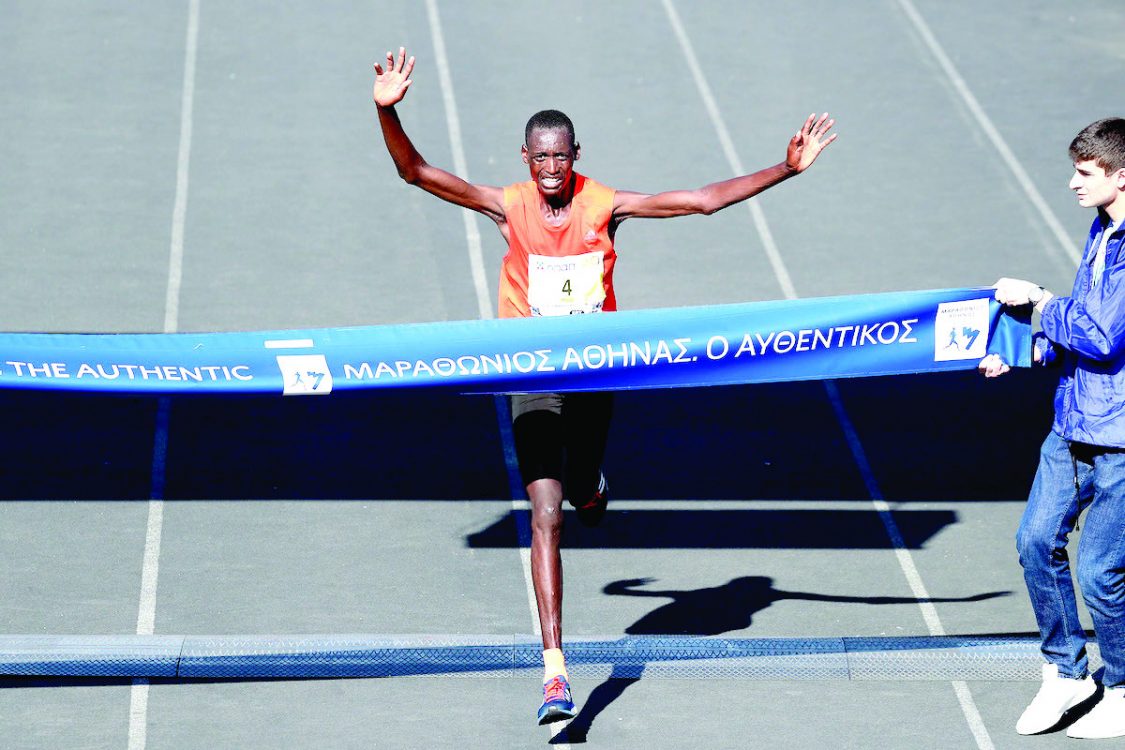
x,y
756,342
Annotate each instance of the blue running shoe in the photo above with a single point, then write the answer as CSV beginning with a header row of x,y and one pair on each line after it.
x,y
557,705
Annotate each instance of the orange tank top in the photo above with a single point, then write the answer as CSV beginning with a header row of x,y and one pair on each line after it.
x,y
558,270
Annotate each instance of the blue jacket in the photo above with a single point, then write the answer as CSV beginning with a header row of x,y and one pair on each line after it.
x,y
1087,335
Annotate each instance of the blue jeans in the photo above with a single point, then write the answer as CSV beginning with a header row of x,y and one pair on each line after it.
x,y
1070,478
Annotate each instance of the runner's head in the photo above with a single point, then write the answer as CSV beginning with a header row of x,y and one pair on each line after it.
x,y
1098,153
550,150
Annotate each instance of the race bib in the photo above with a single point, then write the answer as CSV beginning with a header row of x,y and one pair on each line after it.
x,y
566,285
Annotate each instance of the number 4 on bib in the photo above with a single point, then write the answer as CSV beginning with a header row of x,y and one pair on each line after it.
x,y
565,285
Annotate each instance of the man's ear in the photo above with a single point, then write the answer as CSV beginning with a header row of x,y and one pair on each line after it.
x,y
577,150
1119,179
523,153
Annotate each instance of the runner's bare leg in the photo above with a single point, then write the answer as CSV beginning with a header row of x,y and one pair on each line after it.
x,y
546,563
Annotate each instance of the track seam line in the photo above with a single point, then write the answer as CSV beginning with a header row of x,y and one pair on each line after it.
x,y
1069,251
902,554
460,165
727,144
146,610
990,130
520,508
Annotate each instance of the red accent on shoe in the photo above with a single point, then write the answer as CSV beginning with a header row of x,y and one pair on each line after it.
x,y
555,689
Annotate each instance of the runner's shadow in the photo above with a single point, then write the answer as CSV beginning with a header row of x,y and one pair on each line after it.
x,y
706,612
604,694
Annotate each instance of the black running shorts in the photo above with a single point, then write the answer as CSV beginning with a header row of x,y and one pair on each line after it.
x,y
562,437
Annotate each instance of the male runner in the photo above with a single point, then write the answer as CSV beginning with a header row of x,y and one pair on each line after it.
x,y
560,228
1082,461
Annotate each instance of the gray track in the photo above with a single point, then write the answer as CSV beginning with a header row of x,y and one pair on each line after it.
x,y
370,516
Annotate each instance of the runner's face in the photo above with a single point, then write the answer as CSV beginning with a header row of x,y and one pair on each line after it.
x,y
551,155
1095,188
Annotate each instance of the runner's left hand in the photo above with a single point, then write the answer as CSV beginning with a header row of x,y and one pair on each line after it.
x,y
392,82
809,141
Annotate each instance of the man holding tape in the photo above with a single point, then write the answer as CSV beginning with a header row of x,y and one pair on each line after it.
x,y
560,228
1082,462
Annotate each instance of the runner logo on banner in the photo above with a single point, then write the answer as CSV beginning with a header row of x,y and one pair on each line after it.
x,y
961,330
305,374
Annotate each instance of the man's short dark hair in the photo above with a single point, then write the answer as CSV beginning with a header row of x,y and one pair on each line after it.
x,y
1103,142
549,119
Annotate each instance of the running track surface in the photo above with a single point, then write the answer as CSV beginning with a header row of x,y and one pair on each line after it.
x,y
206,166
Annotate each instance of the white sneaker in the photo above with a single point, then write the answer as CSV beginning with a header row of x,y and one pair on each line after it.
x,y
1056,696
1107,719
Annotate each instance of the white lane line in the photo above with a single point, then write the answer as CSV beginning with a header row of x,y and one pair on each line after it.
x,y
146,611
179,209
1065,245
727,143
520,507
905,559
972,715
906,563
138,714
484,301
460,166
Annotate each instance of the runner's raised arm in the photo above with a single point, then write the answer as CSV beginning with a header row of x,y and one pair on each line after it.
x,y
803,149
391,84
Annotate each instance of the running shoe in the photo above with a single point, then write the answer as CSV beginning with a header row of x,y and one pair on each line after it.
x,y
557,704
1107,719
593,511
1056,696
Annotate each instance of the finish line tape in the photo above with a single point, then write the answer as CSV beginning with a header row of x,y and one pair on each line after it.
x,y
757,342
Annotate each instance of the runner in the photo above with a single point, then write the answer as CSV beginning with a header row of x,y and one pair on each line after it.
x,y
1082,461
560,228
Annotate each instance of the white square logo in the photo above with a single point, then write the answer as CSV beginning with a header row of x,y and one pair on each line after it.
x,y
961,330
305,374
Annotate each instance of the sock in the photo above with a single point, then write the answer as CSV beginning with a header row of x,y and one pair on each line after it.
x,y
554,664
